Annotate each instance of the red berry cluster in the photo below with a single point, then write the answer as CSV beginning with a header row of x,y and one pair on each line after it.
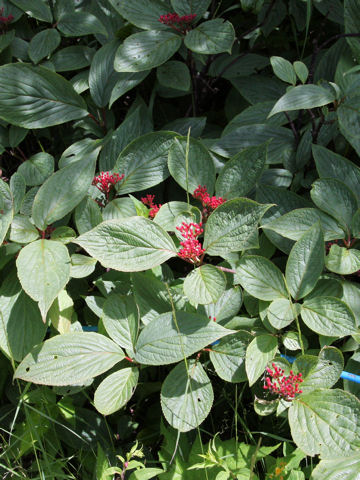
x,y
207,201
286,386
5,20
149,201
214,318
105,181
174,19
192,248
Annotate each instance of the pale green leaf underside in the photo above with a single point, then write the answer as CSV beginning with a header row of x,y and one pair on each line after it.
x,y
128,245
258,354
186,396
204,284
69,359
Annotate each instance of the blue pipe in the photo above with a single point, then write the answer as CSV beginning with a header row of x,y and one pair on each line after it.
x,y
345,375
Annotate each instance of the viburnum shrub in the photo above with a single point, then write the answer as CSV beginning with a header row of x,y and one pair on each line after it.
x,y
179,239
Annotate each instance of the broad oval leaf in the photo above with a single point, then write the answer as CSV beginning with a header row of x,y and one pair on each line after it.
x,y
142,13
44,270
6,209
213,36
174,73
295,223
121,320
332,165
168,339
328,316
233,226
283,69
348,114
226,307
337,468
22,230
35,97
168,213
116,390
69,359
303,97
184,7
62,192
326,422
79,23
144,162
200,169
305,262
128,245
204,284
261,278
228,357
336,199
281,312
145,50
258,354
186,396
241,172
37,168
343,261
43,44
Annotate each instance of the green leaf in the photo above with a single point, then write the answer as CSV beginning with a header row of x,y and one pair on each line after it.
x,y
281,146
174,74
116,390
145,473
347,468
43,44
102,76
128,245
168,213
342,260
144,162
355,224
121,320
126,81
352,25
201,169
211,37
37,168
328,316
186,396
295,223
226,307
283,69
79,23
87,215
6,39
39,10
332,165
323,373
228,357
258,354
72,58
86,355
281,312
83,149
233,226
22,230
43,269
142,13
18,313
349,120
261,278
61,312
204,284
334,416
335,198
119,208
305,263
18,189
35,97
6,209
186,7
303,97
168,339
81,265
301,71
146,50
241,172
62,192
